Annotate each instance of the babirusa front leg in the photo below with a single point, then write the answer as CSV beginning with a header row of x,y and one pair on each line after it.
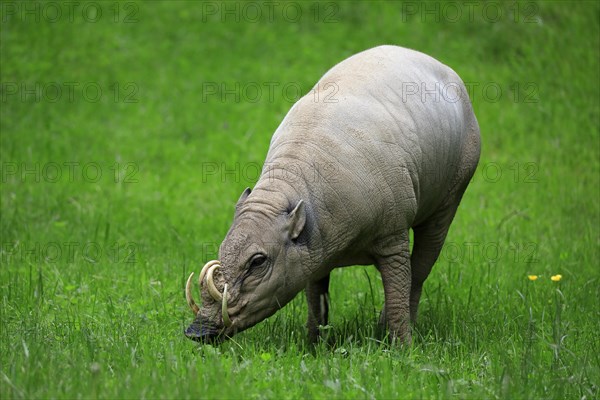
x,y
317,297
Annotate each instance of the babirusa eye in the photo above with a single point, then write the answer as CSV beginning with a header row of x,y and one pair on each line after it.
x,y
257,261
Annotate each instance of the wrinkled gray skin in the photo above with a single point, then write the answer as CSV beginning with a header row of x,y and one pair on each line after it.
x,y
386,142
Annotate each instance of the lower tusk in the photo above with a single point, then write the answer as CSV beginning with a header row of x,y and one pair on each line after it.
x,y
210,283
224,312
188,295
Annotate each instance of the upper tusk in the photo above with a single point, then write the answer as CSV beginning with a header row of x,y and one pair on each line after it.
x,y
188,295
205,269
226,320
210,283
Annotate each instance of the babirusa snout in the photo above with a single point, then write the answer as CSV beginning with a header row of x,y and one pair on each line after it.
x,y
208,271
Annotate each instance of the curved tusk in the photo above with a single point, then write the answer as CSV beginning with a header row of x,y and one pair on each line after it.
x,y
224,312
208,271
205,269
210,283
188,295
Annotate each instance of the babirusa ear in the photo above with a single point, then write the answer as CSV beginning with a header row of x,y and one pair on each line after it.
x,y
243,197
296,220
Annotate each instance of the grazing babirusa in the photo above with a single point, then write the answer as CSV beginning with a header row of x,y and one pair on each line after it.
x,y
385,142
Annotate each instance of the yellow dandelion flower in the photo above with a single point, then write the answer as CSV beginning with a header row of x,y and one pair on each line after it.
x,y
556,278
532,277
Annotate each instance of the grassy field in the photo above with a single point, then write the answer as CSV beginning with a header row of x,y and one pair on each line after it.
x,y
128,130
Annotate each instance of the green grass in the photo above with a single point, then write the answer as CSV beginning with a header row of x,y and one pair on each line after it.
x,y
93,268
